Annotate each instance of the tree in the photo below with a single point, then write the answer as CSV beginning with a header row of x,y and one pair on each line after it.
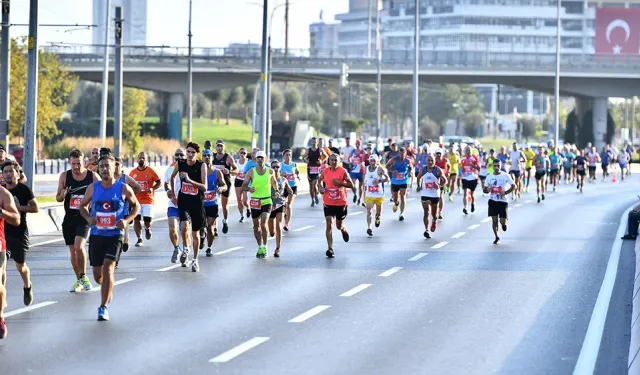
x,y
292,99
215,96
134,107
201,106
277,99
528,125
428,128
232,98
472,122
572,127
249,95
55,85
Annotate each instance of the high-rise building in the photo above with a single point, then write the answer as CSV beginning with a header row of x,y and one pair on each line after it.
x,y
323,39
134,27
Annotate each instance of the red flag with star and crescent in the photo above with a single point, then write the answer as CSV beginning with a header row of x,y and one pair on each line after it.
x,y
617,31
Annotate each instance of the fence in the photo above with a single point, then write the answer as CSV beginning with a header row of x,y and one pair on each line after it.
x,y
56,166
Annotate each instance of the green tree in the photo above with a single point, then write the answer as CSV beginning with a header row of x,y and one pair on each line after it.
x,y
429,129
55,85
249,95
472,122
292,99
232,98
572,127
134,107
277,99
528,125
352,124
216,96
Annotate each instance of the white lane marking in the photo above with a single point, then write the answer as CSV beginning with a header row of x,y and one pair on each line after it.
x,y
29,308
458,235
169,268
390,271
244,347
304,228
517,205
99,287
474,226
309,314
528,201
418,257
593,338
356,290
439,245
228,250
485,220
47,242
410,199
356,213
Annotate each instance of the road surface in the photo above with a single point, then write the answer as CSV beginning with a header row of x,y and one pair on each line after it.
x,y
391,304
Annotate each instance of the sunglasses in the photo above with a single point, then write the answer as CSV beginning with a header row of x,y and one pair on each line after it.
x,y
178,155
275,167
243,153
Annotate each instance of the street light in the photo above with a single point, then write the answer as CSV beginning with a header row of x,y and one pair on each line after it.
x,y
556,114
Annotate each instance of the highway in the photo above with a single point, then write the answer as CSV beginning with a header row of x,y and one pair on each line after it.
x,y
394,303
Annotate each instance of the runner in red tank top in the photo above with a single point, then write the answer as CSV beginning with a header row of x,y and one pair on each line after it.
x,y
8,213
443,164
337,180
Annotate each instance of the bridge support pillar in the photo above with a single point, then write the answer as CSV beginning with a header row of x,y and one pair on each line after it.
x,y
174,110
600,110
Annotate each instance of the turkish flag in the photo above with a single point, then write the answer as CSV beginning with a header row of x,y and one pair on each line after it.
x,y
618,31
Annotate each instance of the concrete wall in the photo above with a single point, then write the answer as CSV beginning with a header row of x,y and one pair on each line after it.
x,y
634,348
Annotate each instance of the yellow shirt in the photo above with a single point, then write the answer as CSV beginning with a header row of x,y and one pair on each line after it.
x,y
454,160
529,154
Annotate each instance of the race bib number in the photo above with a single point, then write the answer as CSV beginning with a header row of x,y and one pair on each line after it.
x,y
106,220
218,167
554,166
144,186
240,176
255,204
496,190
467,169
209,196
332,194
74,201
430,185
580,167
400,175
373,188
314,170
291,177
189,189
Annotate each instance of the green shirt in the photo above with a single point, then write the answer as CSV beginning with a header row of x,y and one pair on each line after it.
x,y
262,184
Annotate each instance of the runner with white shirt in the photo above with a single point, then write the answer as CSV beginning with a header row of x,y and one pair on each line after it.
x,y
173,216
241,195
430,179
292,174
470,167
498,186
517,158
346,154
375,177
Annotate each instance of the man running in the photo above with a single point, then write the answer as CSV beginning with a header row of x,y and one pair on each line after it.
x,y
593,158
399,169
119,175
454,162
347,150
430,180
193,184
108,199
499,185
517,157
555,161
149,182
337,180
241,195
72,186
292,174
541,163
276,216
357,171
8,215
262,180
624,158
17,237
216,185
530,155
314,167
581,169
173,216
374,192
444,166
567,165
92,163
470,168
224,163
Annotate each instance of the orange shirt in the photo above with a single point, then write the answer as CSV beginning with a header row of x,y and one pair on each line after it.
x,y
326,154
146,178
334,195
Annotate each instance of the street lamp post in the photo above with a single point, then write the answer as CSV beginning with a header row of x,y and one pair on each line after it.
x,y
5,75
416,68
378,75
189,79
30,124
556,112
105,75
263,77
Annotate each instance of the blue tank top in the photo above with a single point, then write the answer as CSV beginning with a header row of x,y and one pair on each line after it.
x,y
423,160
289,169
434,171
555,161
400,175
211,195
107,206
503,160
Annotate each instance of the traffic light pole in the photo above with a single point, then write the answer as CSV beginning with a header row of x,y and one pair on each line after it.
x,y
339,117
31,114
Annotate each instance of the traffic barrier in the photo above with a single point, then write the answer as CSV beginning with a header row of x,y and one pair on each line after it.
x,y
634,346
57,166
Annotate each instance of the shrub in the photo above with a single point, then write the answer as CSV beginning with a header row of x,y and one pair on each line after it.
x,y
152,145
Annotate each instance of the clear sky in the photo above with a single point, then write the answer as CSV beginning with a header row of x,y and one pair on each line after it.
x,y
216,23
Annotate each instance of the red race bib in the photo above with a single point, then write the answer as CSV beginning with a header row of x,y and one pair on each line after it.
x,y
144,186
373,188
400,175
240,175
430,185
74,201
106,220
496,189
255,204
189,189
333,194
314,170
209,196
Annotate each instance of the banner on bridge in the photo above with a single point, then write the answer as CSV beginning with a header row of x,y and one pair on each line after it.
x,y
618,31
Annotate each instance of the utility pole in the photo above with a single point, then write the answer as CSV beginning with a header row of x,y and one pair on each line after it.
x,y
31,119
105,75
633,119
5,74
339,116
189,80
369,29
263,78
267,148
556,110
117,87
416,77
378,76
286,28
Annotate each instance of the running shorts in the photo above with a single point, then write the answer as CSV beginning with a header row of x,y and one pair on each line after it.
x,y
469,184
211,211
373,200
339,212
498,209
398,187
432,200
275,212
104,247
72,230
18,247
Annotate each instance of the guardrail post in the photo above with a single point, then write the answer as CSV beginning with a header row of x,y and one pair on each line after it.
x,y
66,161
166,160
59,163
155,159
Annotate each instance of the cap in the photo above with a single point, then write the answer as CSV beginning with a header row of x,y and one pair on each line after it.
x,y
207,152
374,157
219,142
261,154
207,142
438,151
358,141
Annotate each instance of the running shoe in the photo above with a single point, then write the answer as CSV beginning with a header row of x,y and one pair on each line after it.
x,y
426,234
317,200
464,211
473,207
28,295
208,252
225,227
330,253
184,256
3,328
538,199
313,203
276,253
355,199
262,252
450,198
195,267
395,207
202,238
359,202
434,225
125,247
504,227
242,219
440,216
86,284
139,242
174,256
147,233
77,286
401,218
286,227
215,232
103,314
369,232
377,221
345,234
248,213
542,196
496,241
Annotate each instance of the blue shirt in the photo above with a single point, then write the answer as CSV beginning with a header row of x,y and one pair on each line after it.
x,y
211,196
400,172
604,157
568,159
503,160
555,162
107,206
290,170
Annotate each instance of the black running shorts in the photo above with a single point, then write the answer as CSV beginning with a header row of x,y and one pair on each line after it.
x,y
104,247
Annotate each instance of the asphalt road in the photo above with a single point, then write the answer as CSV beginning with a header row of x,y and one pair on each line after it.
x,y
391,304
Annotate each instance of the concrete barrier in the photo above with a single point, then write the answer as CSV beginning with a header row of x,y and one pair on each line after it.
x,y
634,347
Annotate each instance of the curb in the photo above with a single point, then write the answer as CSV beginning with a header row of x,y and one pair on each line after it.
x,y
634,345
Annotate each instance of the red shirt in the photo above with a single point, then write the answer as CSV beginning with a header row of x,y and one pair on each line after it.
x,y
442,164
468,170
334,195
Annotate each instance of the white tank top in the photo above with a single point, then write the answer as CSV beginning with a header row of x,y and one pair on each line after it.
x,y
430,183
373,191
484,166
240,175
515,160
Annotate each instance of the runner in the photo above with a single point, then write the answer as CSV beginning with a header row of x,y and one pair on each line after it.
x,y
279,204
149,182
517,157
337,180
72,185
241,196
470,168
292,174
624,158
530,155
375,179
357,171
108,219
605,159
444,166
332,148
314,167
580,163
430,180
567,165
593,158
92,162
503,157
496,187
555,161
4,156
399,169
173,216
454,161
8,215
541,162
193,184
17,237
215,186
224,163
346,153
262,180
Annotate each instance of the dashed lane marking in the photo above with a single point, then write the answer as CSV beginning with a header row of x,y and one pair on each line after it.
x,y
418,257
242,348
458,235
390,271
439,245
29,308
309,314
356,290
304,228
474,226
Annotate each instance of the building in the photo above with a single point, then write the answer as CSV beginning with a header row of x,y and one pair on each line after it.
x,y
323,39
134,30
354,27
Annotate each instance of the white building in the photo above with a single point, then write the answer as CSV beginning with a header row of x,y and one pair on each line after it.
x,y
134,30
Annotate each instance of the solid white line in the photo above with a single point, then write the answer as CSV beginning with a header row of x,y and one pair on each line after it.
x,y
304,228
46,242
356,213
244,347
439,245
517,205
474,226
418,257
309,314
228,250
29,308
355,290
485,220
528,201
458,235
591,346
390,271
169,268
99,287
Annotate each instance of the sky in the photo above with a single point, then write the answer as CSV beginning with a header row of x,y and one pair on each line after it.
x,y
216,23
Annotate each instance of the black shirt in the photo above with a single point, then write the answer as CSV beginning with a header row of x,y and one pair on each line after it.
x,y
75,191
334,150
194,174
23,195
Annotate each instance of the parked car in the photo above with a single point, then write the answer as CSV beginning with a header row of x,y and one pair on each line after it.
x,y
17,152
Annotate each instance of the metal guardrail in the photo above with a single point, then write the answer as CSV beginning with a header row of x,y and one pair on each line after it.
x,y
57,166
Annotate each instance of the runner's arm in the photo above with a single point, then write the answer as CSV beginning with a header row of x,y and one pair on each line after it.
x,y
247,180
96,177
442,177
62,190
172,181
202,186
222,186
9,210
86,200
31,207
233,168
129,196
348,183
289,191
382,173
133,184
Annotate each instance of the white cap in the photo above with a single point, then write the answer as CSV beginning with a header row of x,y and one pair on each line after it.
x,y
374,157
261,154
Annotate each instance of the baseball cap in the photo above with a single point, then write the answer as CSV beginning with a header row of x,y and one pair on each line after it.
x,y
219,142
374,157
207,152
261,154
